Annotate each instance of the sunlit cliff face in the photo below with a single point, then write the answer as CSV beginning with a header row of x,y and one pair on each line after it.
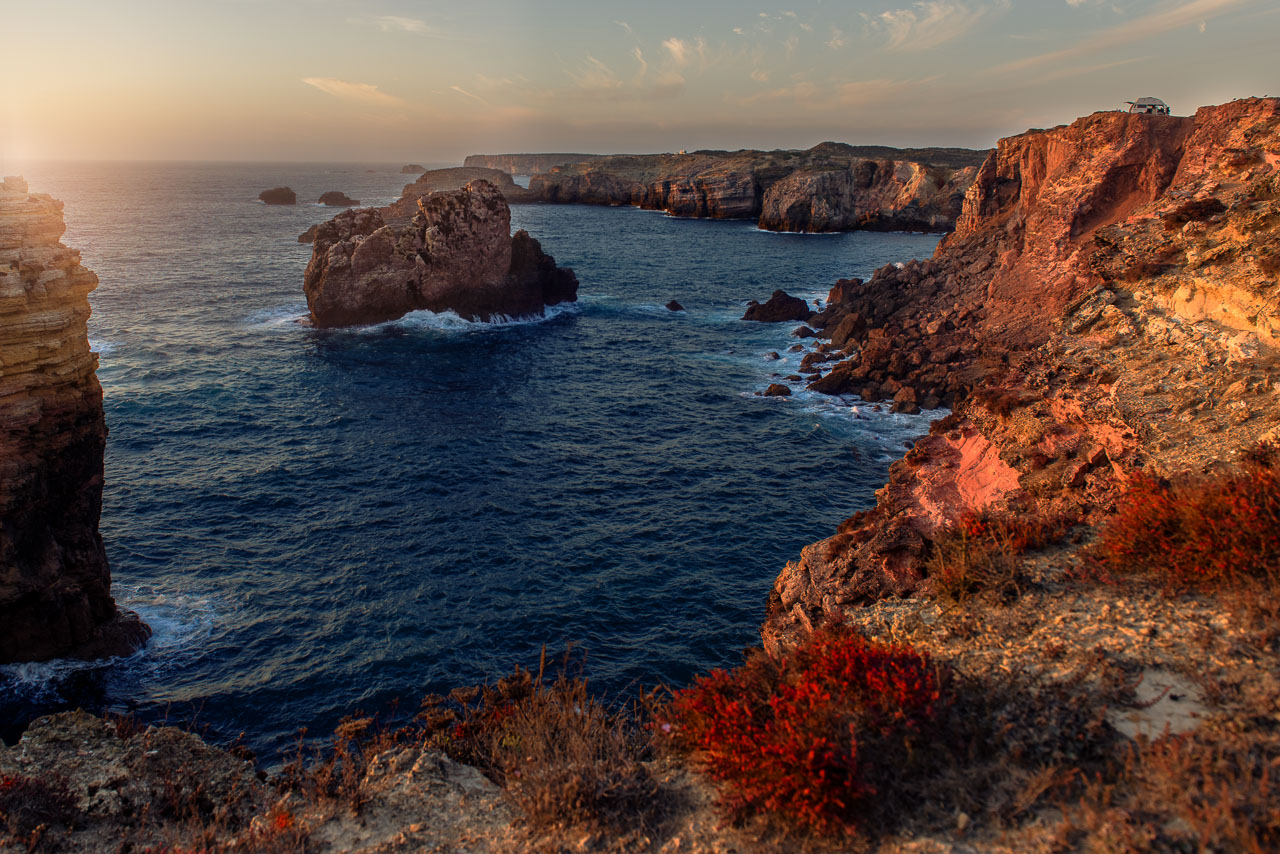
x,y
330,80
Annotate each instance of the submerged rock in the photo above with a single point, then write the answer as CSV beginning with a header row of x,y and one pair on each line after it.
x,y
278,196
457,253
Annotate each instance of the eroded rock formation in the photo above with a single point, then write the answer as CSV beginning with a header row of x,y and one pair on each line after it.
x,y
830,187
55,586
456,253
1108,303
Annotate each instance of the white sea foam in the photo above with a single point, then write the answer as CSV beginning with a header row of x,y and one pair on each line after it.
x,y
284,316
102,348
180,626
451,321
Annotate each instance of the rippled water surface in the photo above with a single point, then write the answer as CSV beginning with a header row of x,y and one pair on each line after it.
x,y
315,521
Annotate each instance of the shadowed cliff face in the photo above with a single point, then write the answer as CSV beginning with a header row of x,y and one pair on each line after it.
x,y
829,187
1108,303
55,587
457,253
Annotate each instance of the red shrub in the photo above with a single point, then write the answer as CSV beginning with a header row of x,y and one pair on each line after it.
x,y
1200,533
28,802
809,736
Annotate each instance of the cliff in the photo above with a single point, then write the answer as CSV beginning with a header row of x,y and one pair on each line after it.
x,y
525,164
1108,304
456,253
55,585
830,187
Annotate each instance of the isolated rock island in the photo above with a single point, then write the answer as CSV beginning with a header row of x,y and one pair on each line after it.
x,y
55,585
456,253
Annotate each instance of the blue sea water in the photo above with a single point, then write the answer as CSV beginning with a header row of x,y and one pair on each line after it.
x,y
316,522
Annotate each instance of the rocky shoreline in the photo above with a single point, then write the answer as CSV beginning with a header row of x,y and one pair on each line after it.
x,y
830,187
1108,309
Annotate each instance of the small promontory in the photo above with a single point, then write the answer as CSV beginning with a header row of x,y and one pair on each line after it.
x,y
55,585
830,187
456,253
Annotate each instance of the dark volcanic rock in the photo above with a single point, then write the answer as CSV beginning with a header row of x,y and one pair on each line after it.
x,y
55,586
337,199
675,306
278,196
778,309
456,254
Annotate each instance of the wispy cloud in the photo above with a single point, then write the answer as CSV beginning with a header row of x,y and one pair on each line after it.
x,y
929,24
593,76
679,51
1159,22
390,23
415,26
470,95
364,93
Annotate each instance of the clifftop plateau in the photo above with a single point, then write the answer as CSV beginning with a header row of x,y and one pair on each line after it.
x,y
526,164
830,187
55,586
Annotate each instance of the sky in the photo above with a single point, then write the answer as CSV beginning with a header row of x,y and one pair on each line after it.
x,y
427,81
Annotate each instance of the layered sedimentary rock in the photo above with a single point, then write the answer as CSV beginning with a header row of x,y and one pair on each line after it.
x,y
525,164
1108,303
830,187
55,586
456,253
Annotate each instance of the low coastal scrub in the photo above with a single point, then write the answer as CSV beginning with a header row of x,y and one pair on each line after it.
x,y
1201,533
564,757
812,737
980,552
1194,792
29,805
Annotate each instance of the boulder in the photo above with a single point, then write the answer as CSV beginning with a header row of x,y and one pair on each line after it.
x,y
675,306
337,199
777,390
457,253
780,308
278,196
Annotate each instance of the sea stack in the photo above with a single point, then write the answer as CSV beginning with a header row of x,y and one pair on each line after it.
x,y
456,253
55,586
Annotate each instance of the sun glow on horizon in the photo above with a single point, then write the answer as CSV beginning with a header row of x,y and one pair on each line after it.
x,y
413,80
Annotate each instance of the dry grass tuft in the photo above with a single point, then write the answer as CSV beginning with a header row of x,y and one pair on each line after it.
x,y
980,553
564,757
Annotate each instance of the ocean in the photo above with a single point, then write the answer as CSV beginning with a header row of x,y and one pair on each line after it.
x,y
318,522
